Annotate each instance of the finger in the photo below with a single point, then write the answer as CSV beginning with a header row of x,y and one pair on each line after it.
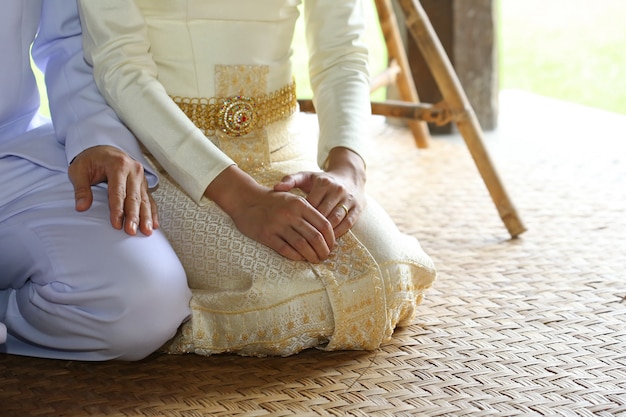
x,y
319,191
287,183
299,180
326,195
338,215
343,227
284,249
319,227
117,195
307,243
145,213
342,230
348,221
82,188
133,202
155,212
83,197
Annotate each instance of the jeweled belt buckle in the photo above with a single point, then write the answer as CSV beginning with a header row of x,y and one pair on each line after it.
x,y
237,116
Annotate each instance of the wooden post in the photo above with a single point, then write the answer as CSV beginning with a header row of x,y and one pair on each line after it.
x,y
422,31
397,53
467,31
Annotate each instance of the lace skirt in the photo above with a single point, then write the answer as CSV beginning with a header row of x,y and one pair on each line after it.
x,y
248,299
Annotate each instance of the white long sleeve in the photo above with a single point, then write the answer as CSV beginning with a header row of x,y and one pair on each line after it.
x,y
116,43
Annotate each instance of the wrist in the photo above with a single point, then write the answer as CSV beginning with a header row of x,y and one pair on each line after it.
x,y
347,163
233,189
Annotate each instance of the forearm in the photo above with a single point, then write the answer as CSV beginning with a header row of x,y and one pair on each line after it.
x,y
82,118
347,164
117,44
234,189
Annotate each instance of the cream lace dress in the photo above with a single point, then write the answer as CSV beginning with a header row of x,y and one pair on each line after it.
x,y
205,84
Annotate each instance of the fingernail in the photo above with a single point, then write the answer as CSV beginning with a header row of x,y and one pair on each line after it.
x,y
133,226
81,203
149,225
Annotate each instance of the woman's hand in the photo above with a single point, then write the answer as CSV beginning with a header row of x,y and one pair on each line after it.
x,y
338,193
285,222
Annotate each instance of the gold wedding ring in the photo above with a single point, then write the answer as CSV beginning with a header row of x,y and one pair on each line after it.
x,y
346,209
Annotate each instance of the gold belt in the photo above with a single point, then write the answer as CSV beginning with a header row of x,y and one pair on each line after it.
x,y
239,115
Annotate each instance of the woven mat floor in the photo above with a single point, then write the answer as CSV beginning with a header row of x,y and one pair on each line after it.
x,y
530,326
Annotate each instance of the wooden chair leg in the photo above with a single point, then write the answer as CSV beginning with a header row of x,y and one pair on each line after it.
x,y
421,29
404,81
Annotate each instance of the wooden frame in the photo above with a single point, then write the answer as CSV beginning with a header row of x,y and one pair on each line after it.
x,y
455,106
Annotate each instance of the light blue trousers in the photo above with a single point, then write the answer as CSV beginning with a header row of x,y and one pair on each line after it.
x,y
71,286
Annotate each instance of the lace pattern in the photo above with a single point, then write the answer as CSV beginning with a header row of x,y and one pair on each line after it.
x,y
249,299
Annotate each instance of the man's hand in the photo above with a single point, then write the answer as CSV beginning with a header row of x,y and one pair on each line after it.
x,y
131,205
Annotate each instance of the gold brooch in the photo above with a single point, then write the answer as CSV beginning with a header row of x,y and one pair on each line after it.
x,y
237,116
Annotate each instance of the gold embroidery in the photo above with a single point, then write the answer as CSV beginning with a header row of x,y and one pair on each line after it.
x,y
237,118
239,115
241,301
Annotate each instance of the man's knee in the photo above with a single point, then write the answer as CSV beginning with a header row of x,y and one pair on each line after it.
x,y
152,315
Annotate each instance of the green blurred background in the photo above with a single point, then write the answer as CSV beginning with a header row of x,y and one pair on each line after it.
x,y
573,50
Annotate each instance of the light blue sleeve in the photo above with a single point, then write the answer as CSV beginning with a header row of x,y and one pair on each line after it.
x,y
19,99
80,115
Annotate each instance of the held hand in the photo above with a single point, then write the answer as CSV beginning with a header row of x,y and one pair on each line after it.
x,y
284,222
130,204
338,194
288,224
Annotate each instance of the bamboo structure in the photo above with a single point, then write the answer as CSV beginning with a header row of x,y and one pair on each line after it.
x,y
397,54
455,106
419,26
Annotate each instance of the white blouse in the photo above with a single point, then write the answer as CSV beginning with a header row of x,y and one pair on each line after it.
x,y
144,51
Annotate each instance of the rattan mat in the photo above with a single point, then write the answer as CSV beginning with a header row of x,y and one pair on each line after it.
x,y
531,326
